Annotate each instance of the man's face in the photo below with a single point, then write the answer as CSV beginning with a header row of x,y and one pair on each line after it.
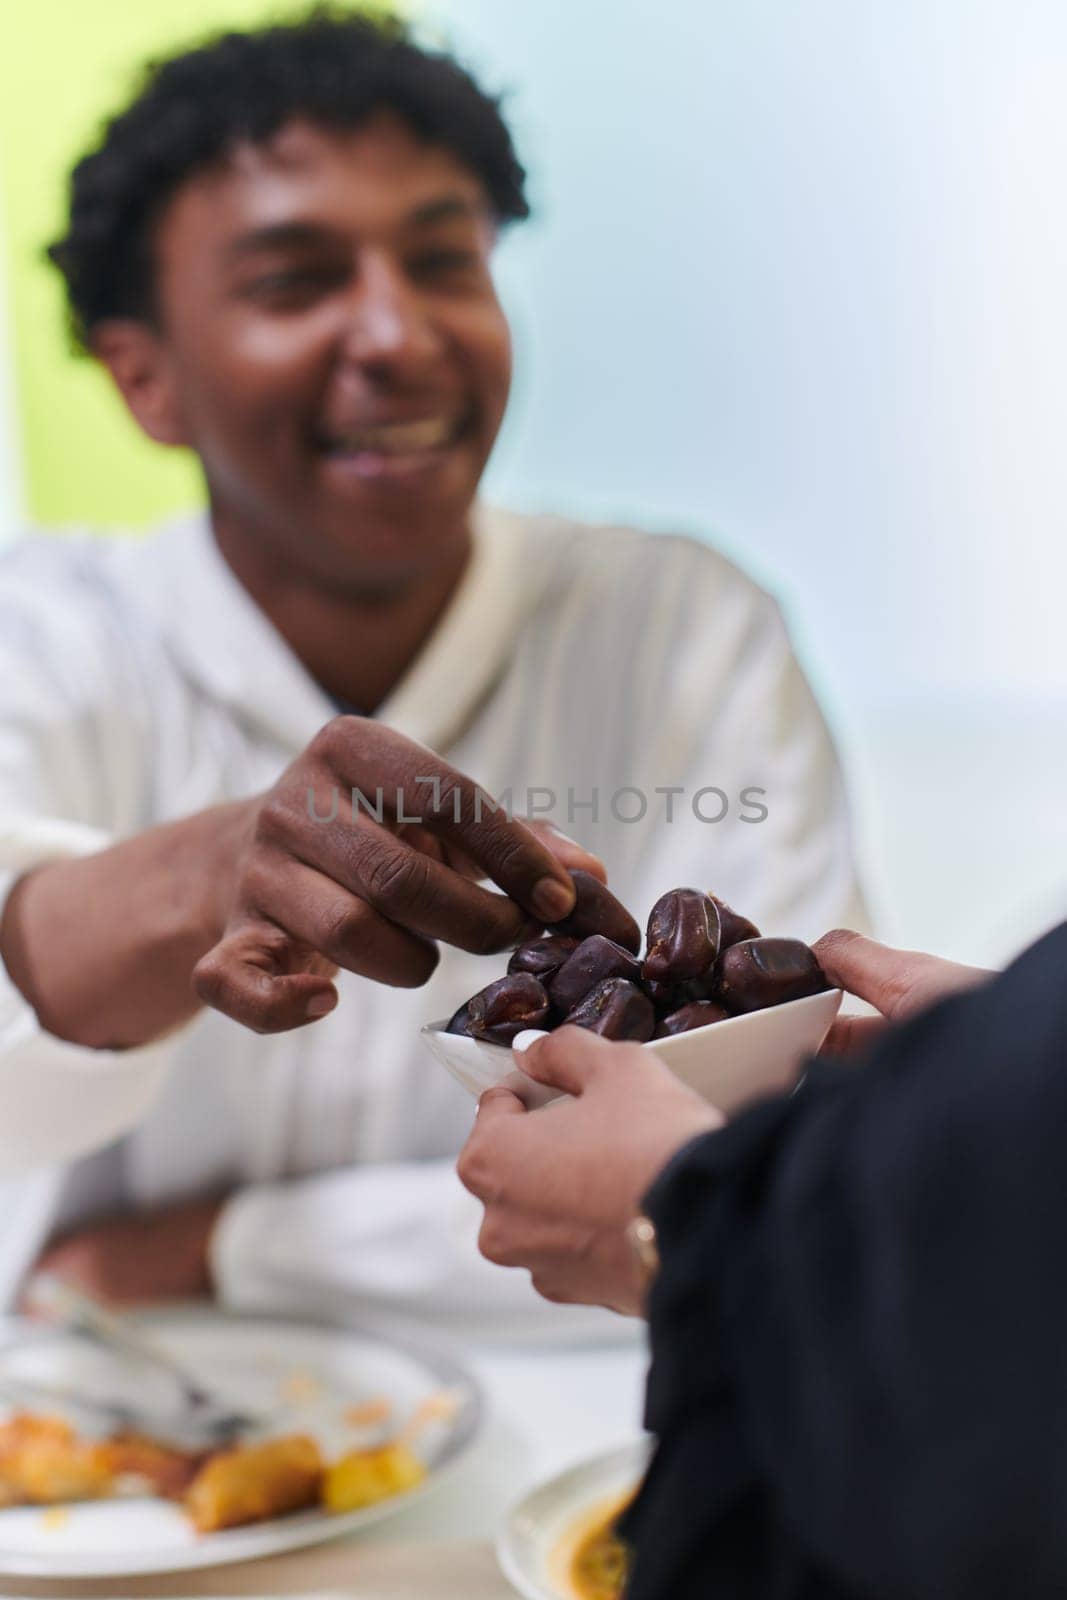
x,y
338,354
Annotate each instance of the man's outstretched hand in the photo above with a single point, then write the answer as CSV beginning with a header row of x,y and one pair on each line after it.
x,y
324,879
252,906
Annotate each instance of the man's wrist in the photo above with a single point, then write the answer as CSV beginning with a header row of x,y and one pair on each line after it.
x,y
218,865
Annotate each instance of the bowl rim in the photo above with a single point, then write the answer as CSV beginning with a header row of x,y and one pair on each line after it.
x,y
441,1026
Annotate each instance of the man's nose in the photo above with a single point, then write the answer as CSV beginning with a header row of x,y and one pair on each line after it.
x,y
387,324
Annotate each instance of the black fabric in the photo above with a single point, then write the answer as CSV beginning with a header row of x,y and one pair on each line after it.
x,y
859,1332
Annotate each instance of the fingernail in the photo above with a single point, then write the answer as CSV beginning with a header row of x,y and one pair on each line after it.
x,y
320,1004
522,1041
552,899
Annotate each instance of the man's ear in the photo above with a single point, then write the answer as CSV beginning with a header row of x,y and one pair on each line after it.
x,y
140,367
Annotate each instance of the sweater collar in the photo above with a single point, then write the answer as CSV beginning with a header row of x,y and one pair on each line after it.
x,y
227,645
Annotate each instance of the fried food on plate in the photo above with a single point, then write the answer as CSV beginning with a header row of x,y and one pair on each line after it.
x,y
254,1482
153,1467
43,1462
365,1476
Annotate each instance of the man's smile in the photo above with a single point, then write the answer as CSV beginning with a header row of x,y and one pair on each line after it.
x,y
392,450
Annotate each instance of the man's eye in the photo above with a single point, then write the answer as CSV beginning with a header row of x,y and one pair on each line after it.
x,y
447,264
293,285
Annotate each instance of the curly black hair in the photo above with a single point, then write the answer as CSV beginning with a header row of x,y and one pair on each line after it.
x,y
332,66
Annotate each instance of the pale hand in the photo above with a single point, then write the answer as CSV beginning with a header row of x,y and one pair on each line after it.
x,y
560,1185
898,983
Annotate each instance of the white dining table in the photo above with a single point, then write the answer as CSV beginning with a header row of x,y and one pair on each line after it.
x,y
546,1410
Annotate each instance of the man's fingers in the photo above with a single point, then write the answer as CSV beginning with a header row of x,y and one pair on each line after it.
x,y
416,785
428,898
566,1059
244,977
509,853
572,855
897,983
567,851
320,914
410,888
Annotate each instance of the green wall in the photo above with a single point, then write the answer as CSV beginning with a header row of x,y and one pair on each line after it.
x,y
64,66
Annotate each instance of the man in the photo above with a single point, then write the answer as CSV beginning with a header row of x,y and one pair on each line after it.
x,y
281,253
859,1332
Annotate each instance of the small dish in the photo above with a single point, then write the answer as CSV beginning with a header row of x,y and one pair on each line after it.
x,y
537,1541
730,1063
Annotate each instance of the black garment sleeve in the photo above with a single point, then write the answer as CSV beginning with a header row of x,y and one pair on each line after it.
x,y
859,1331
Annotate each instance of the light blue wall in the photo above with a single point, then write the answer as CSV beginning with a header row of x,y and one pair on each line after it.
x,y
798,280
799,283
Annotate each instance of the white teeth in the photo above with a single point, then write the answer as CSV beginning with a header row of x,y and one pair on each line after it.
x,y
399,438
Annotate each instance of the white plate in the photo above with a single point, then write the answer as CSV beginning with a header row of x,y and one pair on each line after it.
x,y
539,1534
729,1063
305,1375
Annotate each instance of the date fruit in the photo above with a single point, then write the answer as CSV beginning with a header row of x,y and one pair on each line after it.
x,y
767,972
596,910
704,962
595,959
697,1014
734,927
460,1021
616,1009
542,957
683,936
504,1008
668,997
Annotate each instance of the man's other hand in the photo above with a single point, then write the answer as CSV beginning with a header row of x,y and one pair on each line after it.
x,y
139,1258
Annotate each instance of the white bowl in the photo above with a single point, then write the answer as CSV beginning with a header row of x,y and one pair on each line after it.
x,y
537,1543
729,1063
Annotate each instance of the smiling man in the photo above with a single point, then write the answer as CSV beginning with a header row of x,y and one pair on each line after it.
x,y
281,251
373,430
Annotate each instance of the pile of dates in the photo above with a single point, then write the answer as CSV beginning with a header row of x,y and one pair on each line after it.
x,y
702,963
